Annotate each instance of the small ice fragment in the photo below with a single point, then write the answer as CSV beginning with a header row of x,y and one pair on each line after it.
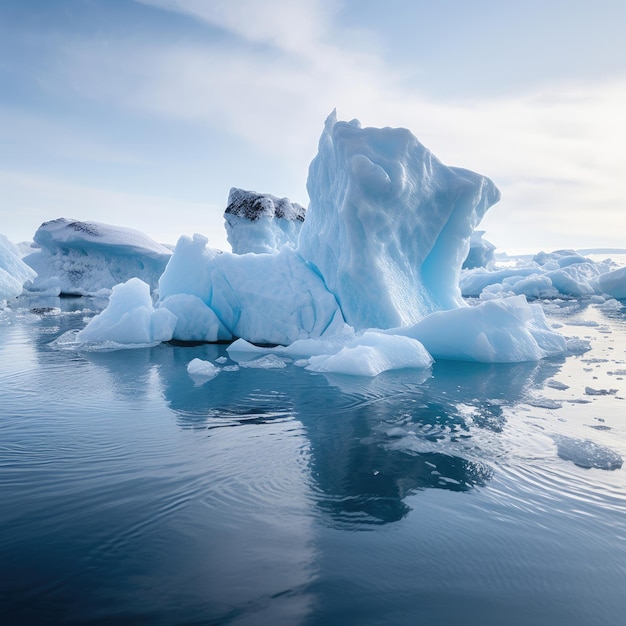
x,y
202,369
556,384
590,391
544,403
586,453
269,361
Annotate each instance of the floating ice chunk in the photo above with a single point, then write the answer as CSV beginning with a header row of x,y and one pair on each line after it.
x,y
366,353
267,362
261,223
264,298
13,271
586,453
371,353
494,331
480,253
389,225
557,384
82,258
130,320
544,403
199,368
614,283
575,280
590,391
576,345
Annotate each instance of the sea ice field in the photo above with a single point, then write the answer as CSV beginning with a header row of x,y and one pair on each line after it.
x,y
362,415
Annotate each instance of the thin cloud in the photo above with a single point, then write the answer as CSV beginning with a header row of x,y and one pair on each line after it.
x,y
556,150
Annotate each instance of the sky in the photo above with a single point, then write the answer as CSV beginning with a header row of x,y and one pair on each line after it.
x,y
144,113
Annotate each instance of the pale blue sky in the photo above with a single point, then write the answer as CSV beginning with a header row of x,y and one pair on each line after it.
x,y
145,113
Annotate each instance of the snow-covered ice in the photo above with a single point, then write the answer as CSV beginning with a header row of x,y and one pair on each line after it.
x,y
84,258
260,223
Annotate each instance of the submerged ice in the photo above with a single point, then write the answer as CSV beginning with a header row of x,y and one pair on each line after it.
x,y
370,284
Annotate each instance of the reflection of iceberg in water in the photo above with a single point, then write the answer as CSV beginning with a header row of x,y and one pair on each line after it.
x,y
372,442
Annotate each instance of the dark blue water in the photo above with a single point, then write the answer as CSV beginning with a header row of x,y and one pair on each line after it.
x,y
130,493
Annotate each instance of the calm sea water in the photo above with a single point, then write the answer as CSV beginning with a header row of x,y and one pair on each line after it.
x,y
473,494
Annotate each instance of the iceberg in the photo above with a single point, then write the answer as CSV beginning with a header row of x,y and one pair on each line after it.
x,y
389,225
372,283
84,258
259,223
13,271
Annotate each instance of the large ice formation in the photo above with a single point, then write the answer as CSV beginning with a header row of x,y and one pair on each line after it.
x,y
83,258
13,271
261,223
372,284
389,225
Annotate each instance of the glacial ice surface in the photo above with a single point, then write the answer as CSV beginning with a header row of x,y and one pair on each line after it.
x,y
84,258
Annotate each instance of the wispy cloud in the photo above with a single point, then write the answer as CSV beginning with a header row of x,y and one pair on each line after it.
x,y
280,67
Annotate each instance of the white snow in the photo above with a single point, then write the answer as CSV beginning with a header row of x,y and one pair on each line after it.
x,y
85,258
13,271
261,223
